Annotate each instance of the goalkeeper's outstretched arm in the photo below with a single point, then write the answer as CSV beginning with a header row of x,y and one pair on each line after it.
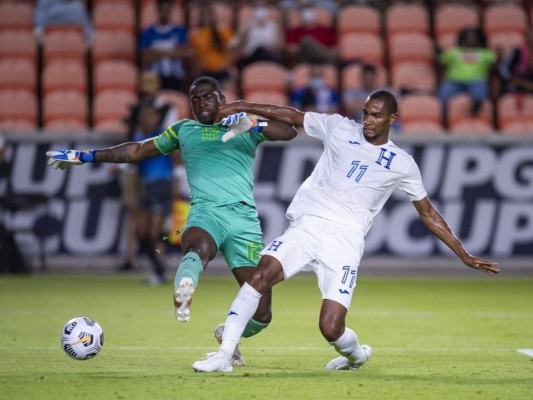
x,y
129,152
284,114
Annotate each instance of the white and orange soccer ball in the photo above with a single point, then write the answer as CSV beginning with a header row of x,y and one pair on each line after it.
x,y
82,338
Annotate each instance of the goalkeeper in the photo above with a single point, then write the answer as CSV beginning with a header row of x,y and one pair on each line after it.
x,y
219,172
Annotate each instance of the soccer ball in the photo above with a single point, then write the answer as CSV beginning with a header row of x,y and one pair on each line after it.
x,y
82,338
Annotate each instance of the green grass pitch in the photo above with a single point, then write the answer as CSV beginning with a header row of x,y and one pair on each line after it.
x,y
432,339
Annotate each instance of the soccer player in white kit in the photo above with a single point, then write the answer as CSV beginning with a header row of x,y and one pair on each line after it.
x,y
329,217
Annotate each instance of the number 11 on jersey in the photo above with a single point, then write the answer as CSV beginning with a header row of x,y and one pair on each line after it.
x,y
357,169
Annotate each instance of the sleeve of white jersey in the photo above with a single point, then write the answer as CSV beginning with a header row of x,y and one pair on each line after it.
x,y
320,125
412,183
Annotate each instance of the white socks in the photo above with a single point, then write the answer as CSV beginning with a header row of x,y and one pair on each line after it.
x,y
242,309
348,346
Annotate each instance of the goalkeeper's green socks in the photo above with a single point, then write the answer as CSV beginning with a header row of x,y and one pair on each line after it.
x,y
190,267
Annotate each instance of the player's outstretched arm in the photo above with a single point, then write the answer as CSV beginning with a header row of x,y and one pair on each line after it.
x,y
129,152
285,114
440,228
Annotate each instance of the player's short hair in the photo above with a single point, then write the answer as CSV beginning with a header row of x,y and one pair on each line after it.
x,y
388,99
206,80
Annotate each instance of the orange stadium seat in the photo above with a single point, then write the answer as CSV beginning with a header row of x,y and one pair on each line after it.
x,y
65,43
18,125
148,14
113,74
502,42
112,126
363,19
264,75
66,125
114,45
422,128
16,15
96,3
420,108
364,47
322,18
411,47
65,104
114,15
18,74
112,105
523,128
459,107
450,19
504,18
351,76
414,76
268,98
301,75
404,17
18,105
513,108
472,126
64,75
181,101
17,44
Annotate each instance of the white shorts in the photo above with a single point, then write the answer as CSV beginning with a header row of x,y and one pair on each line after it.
x,y
332,250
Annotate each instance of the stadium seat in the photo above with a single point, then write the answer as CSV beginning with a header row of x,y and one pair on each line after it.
x,y
18,105
471,126
422,128
180,101
268,97
66,126
114,15
351,76
65,104
16,15
18,44
148,14
112,105
504,18
17,125
502,42
18,74
459,108
113,74
420,108
406,18
358,18
410,47
64,42
64,75
114,45
264,75
322,18
111,126
414,76
301,76
513,108
365,47
522,128
451,18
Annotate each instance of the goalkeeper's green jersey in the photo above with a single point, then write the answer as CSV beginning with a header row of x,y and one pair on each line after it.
x,y
218,173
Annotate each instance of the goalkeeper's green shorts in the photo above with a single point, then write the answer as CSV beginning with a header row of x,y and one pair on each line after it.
x,y
235,229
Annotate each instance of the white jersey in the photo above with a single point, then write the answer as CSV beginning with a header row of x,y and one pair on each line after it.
x,y
353,178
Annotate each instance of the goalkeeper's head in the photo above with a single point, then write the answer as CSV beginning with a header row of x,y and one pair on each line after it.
x,y
206,96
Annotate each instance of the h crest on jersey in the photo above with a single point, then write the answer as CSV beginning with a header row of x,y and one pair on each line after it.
x,y
388,158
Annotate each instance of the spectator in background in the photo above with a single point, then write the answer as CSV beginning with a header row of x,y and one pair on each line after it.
x,y
61,12
212,54
259,39
467,69
317,95
516,68
163,48
311,42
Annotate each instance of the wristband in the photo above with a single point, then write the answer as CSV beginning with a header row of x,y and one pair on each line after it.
x,y
258,125
87,156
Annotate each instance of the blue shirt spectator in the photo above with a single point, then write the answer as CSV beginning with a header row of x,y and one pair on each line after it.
x,y
61,12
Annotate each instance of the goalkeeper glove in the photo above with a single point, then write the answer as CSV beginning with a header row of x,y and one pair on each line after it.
x,y
62,159
240,123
